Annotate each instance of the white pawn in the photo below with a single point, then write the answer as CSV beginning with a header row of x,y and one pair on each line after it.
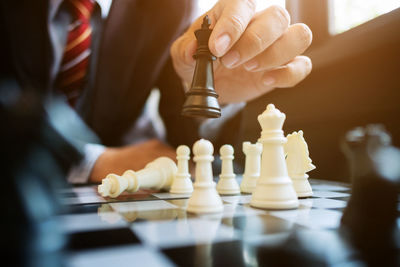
x,y
227,184
205,198
274,188
252,166
182,183
298,163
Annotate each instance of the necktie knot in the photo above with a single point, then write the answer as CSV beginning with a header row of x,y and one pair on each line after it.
x,y
81,9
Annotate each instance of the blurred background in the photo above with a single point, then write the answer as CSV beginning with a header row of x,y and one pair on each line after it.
x,y
355,78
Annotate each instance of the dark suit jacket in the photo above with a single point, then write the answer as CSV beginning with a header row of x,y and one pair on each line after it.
x,y
133,57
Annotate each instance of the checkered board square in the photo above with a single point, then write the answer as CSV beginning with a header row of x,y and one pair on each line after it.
x,y
153,228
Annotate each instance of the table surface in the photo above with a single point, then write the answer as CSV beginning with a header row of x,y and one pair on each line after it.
x,y
151,228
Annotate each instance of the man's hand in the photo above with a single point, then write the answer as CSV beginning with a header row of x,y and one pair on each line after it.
x,y
134,157
257,51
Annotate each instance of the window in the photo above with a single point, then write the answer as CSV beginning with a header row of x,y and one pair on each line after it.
x,y
205,5
347,14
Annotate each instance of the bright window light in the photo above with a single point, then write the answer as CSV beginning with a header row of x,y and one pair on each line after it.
x,y
205,5
347,14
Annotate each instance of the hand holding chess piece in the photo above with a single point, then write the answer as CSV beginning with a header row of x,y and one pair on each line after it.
x,y
257,51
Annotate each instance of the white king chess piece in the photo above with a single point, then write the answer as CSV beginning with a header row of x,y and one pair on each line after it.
x,y
227,184
205,198
157,174
251,167
298,163
274,188
182,183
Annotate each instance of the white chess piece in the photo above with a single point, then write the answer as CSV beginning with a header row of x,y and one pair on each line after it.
x,y
157,174
251,167
298,163
181,183
205,198
227,184
274,188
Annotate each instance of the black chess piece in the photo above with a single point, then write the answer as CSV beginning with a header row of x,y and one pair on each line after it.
x,y
201,99
369,220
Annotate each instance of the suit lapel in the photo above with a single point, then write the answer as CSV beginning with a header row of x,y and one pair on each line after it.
x,y
115,57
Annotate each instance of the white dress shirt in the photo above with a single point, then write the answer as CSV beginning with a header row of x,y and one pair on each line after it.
x,y
58,22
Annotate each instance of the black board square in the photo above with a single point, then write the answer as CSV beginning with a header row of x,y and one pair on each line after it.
x,y
102,238
213,254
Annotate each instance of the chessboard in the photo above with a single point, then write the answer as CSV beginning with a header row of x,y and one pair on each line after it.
x,y
152,228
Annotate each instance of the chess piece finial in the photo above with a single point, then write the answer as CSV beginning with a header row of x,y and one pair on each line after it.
x,y
201,99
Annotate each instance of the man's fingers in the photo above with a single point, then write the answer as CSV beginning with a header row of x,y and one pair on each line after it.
x,y
265,28
232,17
288,75
294,42
183,49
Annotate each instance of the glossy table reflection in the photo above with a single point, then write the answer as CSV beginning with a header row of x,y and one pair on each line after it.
x,y
153,228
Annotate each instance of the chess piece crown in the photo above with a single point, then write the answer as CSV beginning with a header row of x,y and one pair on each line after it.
x,y
271,122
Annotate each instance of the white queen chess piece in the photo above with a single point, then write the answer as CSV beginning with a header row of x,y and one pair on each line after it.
x,y
298,163
205,198
181,183
274,188
227,184
157,174
251,167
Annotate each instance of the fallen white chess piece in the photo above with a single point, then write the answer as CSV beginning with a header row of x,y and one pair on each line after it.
x,y
157,174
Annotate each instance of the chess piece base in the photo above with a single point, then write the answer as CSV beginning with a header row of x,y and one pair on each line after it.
x,y
248,184
205,199
275,194
182,186
302,185
275,205
228,186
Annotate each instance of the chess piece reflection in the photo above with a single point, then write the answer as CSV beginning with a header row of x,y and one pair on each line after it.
x,y
201,99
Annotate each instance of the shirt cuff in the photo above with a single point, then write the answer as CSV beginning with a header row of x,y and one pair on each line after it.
x,y
80,173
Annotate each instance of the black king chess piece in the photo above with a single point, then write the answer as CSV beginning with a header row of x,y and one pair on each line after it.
x,y
201,99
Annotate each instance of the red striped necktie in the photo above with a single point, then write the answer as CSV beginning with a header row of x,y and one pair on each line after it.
x,y
75,62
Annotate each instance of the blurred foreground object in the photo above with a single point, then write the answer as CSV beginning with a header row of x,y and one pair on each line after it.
x,y
35,160
370,216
